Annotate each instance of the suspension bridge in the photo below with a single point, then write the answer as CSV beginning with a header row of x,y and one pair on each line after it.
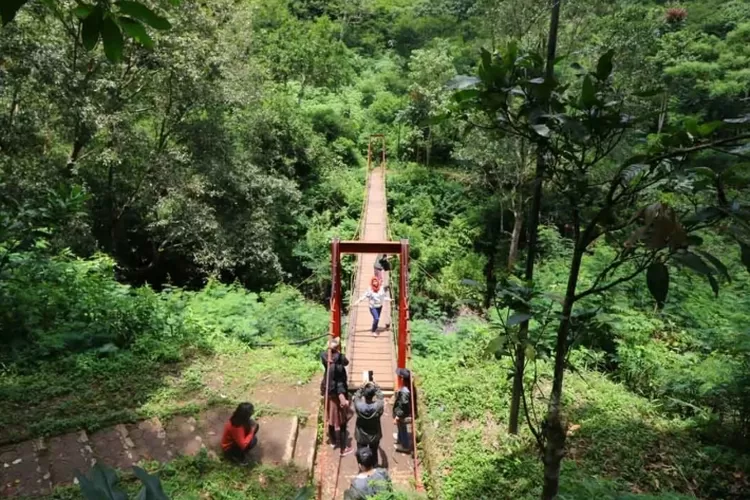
x,y
382,352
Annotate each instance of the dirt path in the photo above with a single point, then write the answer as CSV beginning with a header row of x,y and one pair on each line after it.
x,y
287,435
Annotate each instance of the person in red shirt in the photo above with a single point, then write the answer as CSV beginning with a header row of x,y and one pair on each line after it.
x,y
240,434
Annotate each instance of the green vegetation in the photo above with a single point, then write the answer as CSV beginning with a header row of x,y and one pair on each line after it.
x,y
175,352
172,173
201,476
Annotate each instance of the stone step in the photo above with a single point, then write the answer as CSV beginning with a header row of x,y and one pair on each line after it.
x,y
149,440
112,446
24,469
304,450
291,441
68,454
182,438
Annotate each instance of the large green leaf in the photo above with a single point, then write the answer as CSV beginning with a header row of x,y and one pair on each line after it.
x,y
112,39
152,489
719,265
91,27
496,346
305,493
588,93
102,485
541,129
657,279
83,11
143,13
604,66
745,255
9,8
703,215
694,262
518,318
137,31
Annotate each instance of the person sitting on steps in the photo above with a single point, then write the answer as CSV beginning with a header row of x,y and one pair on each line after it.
x,y
240,434
335,382
371,480
369,404
376,295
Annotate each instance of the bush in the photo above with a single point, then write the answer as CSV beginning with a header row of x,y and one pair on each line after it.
x,y
62,305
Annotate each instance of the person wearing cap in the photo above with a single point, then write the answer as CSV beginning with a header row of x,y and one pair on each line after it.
x,y
369,404
371,480
376,296
335,387
403,413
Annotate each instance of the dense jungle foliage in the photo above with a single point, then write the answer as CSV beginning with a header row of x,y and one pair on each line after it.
x,y
170,180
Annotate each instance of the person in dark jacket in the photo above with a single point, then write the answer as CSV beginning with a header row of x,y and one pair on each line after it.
x,y
369,404
371,480
402,410
335,388
381,265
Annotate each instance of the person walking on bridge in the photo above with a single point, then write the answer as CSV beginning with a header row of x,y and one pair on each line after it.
x,y
381,265
371,480
335,388
376,296
369,404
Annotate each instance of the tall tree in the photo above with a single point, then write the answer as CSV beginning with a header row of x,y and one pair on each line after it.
x,y
585,131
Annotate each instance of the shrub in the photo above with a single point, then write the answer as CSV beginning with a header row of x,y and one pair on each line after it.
x,y
62,305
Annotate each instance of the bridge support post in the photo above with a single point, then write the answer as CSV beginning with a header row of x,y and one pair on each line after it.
x,y
403,306
336,288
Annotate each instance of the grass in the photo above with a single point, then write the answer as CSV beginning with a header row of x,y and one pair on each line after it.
x,y
202,477
621,445
164,376
84,391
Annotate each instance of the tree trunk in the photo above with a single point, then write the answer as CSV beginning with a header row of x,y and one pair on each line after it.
x,y
515,238
554,448
536,204
491,278
555,430
523,330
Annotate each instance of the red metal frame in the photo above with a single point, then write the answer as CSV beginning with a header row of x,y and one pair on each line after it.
x,y
335,288
400,248
404,342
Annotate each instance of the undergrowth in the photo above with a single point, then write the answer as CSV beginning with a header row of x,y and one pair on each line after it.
x,y
204,477
191,350
620,444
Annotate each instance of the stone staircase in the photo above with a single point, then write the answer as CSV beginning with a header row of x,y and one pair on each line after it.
x,y
35,467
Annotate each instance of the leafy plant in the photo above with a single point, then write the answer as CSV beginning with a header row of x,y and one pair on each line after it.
x,y
101,484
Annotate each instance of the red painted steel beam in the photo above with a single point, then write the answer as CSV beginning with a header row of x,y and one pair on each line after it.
x,y
389,247
336,288
403,305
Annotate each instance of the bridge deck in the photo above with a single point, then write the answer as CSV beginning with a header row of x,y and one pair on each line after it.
x,y
368,352
365,350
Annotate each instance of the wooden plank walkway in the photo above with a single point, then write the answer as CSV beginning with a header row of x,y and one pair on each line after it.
x,y
368,352
365,350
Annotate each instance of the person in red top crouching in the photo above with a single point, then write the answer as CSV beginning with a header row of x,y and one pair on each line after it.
x,y
240,434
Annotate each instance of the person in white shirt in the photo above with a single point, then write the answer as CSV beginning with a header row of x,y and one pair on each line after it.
x,y
376,296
